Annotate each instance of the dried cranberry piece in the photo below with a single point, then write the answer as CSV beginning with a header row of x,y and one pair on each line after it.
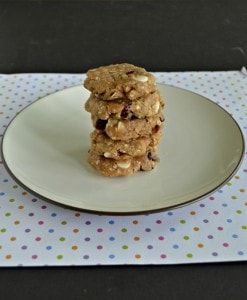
x,y
125,112
100,124
150,155
155,129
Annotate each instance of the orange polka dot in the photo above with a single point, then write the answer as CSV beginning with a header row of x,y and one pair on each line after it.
x,y
242,190
8,256
192,213
135,222
20,206
138,256
200,245
74,247
136,238
75,230
245,203
236,177
196,228
17,222
24,193
77,214
13,238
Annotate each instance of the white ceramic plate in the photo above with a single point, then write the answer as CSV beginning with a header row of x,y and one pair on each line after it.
x,y
45,149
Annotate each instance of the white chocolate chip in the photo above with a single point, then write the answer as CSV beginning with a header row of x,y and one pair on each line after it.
x,y
123,165
141,78
120,125
156,107
107,154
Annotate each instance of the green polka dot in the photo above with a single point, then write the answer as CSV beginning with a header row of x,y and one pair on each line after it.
x,y
60,256
229,183
182,221
124,230
3,230
7,214
125,247
11,200
186,237
189,255
15,186
64,223
244,227
234,197
238,211
62,239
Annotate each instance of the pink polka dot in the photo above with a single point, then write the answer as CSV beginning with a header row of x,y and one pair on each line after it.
x,y
34,256
220,228
158,221
225,244
99,247
99,230
37,239
216,212
163,256
211,198
161,238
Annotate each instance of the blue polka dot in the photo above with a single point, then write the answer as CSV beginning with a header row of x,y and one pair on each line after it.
x,y
2,193
112,238
48,247
172,229
170,213
51,230
229,220
53,214
111,256
240,253
235,236
111,222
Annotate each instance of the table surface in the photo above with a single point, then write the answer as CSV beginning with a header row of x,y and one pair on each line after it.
x,y
73,36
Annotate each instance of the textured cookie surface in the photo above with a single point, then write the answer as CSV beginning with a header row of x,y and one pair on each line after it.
x,y
130,128
119,81
124,108
102,145
112,168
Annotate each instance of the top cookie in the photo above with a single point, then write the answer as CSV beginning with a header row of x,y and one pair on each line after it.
x,y
120,81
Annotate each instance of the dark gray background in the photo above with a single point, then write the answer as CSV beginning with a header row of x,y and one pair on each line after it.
x,y
73,36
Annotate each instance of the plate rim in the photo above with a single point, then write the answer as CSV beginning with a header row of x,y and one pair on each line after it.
x,y
124,213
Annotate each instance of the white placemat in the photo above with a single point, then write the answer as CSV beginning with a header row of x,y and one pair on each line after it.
x,y
34,232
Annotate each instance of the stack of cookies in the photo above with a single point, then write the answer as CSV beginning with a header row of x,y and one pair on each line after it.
x,y
125,107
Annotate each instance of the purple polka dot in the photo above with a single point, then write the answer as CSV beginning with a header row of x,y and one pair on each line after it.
x,y
27,230
87,222
210,237
24,247
149,247
215,254
87,239
147,229
86,256
205,221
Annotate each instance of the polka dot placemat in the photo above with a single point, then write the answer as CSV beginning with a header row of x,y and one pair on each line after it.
x,y
34,232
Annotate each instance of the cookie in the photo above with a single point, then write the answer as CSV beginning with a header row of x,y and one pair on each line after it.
x,y
112,168
124,108
119,81
130,128
102,145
